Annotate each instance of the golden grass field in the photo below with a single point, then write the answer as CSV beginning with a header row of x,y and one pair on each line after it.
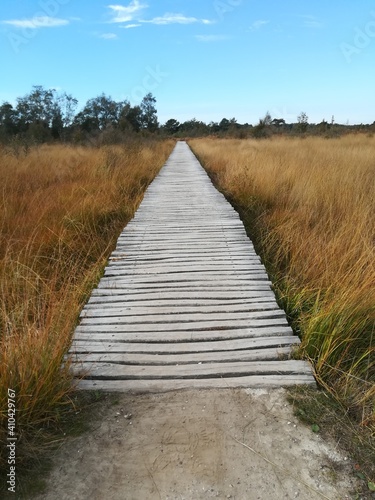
x,y
307,202
62,209
310,205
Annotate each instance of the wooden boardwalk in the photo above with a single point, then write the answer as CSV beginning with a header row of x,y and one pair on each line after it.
x,y
185,301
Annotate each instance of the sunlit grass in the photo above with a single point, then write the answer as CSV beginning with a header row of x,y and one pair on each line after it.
x,y
62,209
310,205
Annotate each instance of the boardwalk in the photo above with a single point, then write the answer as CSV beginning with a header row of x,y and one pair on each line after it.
x,y
185,301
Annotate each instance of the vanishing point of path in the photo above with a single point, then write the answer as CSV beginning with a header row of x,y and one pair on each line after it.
x,y
185,301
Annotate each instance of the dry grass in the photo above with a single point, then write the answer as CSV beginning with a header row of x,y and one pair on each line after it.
x,y
310,204
62,209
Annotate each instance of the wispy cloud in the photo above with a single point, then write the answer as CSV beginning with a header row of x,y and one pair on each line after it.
x,y
211,38
170,18
257,25
108,36
131,12
37,22
128,26
312,22
124,14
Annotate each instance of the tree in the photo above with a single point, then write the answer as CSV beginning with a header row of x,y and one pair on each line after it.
x,y
37,109
224,124
194,127
99,113
261,130
171,126
303,122
8,125
267,119
278,122
149,113
131,117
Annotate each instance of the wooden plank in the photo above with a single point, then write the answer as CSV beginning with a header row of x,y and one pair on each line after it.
x,y
178,294
271,354
191,287
163,260
107,371
155,386
108,316
113,325
183,347
190,267
146,309
197,281
172,302
93,335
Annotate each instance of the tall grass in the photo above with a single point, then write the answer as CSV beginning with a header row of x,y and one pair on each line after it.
x,y
62,209
310,204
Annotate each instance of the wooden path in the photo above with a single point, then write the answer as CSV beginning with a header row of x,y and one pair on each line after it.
x,y
185,301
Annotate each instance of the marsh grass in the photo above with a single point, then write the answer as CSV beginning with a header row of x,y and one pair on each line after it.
x,y
62,209
310,205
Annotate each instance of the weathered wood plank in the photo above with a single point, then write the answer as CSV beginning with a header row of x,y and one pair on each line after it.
x,y
190,280
271,354
115,371
92,334
145,386
185,347
105,325
185,314
181,294
118,301
167,268
194,286
146,310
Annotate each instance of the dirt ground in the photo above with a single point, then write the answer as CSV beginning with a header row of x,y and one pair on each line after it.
x,y
237,444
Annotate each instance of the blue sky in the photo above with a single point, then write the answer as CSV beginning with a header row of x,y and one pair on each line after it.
x,y
200,59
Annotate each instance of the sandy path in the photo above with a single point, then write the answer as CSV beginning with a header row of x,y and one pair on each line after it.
x,y
239,444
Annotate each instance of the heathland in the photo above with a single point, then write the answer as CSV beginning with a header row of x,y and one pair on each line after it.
x,y
309,205
307,202
62,209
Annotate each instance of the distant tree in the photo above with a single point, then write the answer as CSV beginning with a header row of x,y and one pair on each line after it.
x,y
8,122
68,105
37,108
262,128
171,126
131,118
194,127
303,122
267,119
63,118
149,113
224,125
278,122
99,113
323,126
214,127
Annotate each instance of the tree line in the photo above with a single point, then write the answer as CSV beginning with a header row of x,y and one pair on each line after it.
x,y
44,115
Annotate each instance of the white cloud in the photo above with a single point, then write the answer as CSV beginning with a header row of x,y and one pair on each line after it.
x,y
124,14
128,26
37,22
170,18
258,24
108,36
211,38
